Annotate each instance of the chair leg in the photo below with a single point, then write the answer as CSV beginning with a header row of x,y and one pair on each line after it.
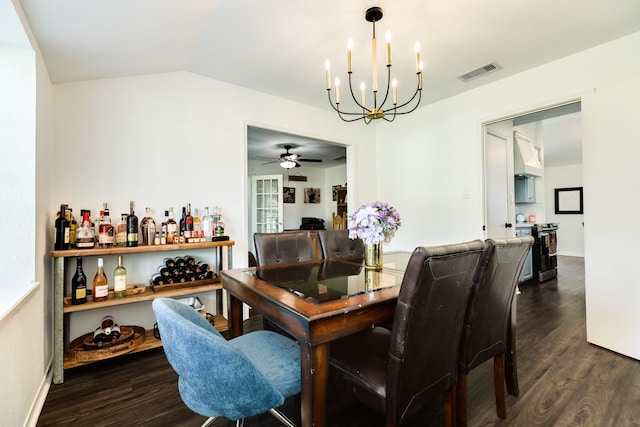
x,y
498,381
450,407
282,417
511,367
461,400
208,422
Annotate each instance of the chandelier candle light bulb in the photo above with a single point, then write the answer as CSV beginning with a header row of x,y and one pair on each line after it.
x,y
327,67
388,40
349,50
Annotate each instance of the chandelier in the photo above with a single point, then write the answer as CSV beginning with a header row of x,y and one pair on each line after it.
x,y
375,110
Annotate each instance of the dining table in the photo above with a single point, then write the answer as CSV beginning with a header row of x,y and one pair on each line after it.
x,y
316,302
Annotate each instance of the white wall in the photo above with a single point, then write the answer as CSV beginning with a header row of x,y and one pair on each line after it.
x,y
427,158
25,322
571,230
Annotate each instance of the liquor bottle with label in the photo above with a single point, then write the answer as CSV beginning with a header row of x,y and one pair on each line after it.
x,y
207,224
197,226
183,221
188,224
132,225
84,235
120,280
106,238
148,228
163,229
219,224
100,285
172,228
121,231
63,228
107,333
73,227
79,285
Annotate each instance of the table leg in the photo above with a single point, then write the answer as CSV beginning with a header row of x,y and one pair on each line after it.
x,y
315,379
235,316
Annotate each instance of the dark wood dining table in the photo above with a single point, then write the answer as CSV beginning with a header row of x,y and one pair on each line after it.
x,y
316,303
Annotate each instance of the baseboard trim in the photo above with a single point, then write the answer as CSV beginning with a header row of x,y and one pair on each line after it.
x,y
40,398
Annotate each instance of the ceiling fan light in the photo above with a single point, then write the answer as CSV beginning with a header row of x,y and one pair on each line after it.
x,y
287,164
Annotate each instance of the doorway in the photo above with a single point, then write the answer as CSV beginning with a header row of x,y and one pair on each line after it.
x,y
321,166
557,130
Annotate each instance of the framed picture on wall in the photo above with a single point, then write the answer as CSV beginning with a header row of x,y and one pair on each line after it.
x,y
569,200
311,195
288,194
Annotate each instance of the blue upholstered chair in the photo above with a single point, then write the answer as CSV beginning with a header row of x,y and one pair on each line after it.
x,y
242,377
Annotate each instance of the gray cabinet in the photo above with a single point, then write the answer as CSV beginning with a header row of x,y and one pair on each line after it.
x,y
525,189
527,268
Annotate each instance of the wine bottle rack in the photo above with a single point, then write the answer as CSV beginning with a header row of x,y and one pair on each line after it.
x,y
62,311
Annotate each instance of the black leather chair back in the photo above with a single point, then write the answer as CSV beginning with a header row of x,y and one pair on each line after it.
x,y
423,352
276,248
488,315
336,244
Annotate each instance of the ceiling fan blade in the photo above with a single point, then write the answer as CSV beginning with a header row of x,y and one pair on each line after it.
x,y
310,160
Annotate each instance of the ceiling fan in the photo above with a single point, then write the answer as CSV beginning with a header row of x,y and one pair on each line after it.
x,y
290,160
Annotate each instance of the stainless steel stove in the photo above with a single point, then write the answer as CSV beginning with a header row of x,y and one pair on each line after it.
x,y
545,262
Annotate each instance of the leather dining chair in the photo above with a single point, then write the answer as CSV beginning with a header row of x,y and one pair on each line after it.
x,y
336,244
489,328
276,248
242,377
397,372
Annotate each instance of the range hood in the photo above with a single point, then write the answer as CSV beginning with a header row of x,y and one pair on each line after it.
x,y
526,156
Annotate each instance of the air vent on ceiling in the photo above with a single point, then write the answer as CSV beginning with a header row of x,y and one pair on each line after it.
x,y
479,72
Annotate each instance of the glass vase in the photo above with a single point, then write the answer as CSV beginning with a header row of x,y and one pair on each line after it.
x,y
373,256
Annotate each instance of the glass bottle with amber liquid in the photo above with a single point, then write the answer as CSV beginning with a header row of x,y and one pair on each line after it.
x,y
79,285
120,280
106,237
132,225
100,285
172,228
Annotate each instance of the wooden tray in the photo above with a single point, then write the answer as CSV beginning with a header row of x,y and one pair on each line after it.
x,y
132,337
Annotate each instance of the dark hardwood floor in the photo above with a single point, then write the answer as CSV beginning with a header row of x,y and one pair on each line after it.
x,y
564,381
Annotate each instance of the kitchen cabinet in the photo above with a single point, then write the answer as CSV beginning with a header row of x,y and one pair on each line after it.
x,y
62,311
525,189
527,269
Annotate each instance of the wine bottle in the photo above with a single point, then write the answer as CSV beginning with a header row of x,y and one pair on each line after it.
x,y
79,285
100,285
183,221
120,280
106,236
188,224
148,228
172,228
132,225
63,228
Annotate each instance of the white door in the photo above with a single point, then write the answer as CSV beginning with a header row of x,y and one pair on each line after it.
x,y
266,202
498,223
